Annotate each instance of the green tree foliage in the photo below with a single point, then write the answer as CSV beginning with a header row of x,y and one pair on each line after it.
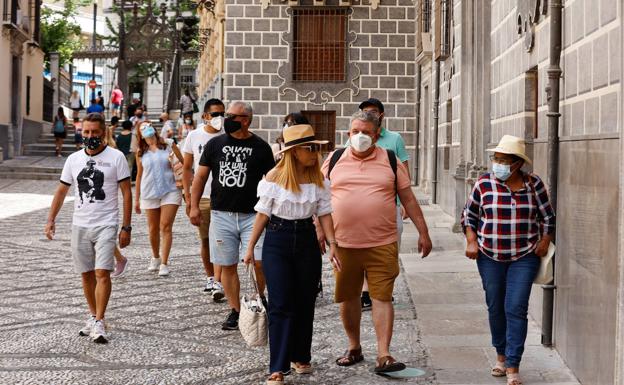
x,y
59,30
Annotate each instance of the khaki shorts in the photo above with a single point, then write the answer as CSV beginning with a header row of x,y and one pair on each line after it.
x,y
204,208
381,265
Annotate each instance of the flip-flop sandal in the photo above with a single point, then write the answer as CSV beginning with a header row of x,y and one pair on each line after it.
x,y
514,381
498,370
388,364
275,379
350,357
301,369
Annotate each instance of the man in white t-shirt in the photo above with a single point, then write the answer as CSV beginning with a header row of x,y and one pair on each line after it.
x,y
214,110
97,172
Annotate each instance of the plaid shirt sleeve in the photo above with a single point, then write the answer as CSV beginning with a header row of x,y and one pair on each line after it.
x,y
470,214
546,214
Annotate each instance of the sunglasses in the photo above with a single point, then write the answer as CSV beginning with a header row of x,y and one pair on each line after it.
x,y
234,116
314,147
215,114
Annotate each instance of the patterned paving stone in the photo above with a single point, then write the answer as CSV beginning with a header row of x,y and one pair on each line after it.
x,y
163,330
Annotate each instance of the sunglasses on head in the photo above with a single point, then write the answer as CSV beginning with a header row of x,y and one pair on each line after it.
x,y
215,114
313,147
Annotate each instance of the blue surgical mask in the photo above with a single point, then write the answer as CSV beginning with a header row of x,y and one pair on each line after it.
x,y
501,171
148,131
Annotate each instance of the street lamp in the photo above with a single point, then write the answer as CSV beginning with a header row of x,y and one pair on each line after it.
x,y
179,23
94,36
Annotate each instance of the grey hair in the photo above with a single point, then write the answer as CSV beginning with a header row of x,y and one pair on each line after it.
x,y
365,117
246,107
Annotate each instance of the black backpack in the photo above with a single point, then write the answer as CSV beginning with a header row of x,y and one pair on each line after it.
x,y
338,154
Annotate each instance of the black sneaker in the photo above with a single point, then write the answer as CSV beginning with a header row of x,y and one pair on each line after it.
x,y
231,323
367,304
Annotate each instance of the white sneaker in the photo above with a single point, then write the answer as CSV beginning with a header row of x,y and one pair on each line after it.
x,y
99,333
154,264
217,292
164,270
88,327
209,285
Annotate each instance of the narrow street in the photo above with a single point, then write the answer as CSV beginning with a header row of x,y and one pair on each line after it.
x,y
163,330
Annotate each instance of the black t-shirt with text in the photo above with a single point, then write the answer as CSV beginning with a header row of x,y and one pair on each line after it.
x,y
237,166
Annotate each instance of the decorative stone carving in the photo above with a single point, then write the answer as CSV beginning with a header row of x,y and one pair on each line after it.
x,y
318,92
528,16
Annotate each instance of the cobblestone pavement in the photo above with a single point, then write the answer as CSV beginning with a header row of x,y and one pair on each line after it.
x,y
164,330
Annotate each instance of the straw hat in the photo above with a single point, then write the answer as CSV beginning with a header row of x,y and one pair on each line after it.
x,y
511,145
299,134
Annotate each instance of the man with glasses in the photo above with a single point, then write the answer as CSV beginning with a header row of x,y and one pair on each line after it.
x,y
237,162
214,110
364,186
390,141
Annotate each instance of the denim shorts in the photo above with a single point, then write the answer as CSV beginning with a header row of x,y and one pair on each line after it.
x,y
229,235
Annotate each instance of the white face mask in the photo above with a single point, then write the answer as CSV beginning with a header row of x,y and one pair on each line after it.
x,y
217,122
361,142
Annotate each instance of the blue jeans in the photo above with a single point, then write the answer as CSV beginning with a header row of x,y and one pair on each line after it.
x,y
292,268
507,288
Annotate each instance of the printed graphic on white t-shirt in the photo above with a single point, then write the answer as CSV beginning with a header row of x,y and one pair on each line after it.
x,y
194,144
96,180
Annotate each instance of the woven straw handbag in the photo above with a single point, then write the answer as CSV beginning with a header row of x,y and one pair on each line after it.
x,y
253,322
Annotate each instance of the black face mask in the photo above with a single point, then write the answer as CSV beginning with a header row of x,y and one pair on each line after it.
x,y
93,143
231,126
160,120
139,116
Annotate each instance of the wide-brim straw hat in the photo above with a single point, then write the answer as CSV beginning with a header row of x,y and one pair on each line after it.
x,y
512,145
298,135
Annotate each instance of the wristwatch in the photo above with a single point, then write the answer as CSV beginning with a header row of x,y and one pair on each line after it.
x,y
126,228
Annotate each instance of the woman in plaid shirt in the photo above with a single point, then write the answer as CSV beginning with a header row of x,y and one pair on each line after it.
x,y
509,223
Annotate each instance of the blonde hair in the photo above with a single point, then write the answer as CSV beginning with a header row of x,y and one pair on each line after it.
x,y
285,173
109,140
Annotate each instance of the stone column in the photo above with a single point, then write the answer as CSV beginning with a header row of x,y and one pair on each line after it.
x,y
619,332
54,72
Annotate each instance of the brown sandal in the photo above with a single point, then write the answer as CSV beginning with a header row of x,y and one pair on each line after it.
x,y
498,370
300,368
350,357
276,379
388,364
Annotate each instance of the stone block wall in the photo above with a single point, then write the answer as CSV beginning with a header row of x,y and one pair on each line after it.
x,y
590,135
383,51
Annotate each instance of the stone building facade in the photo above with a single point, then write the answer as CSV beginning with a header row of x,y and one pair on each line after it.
x,y
21,61
375,43
494,82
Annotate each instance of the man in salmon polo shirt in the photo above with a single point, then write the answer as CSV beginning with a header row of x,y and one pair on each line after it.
x,y
364,186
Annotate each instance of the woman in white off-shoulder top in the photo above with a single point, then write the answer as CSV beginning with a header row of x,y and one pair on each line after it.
x,y
292,193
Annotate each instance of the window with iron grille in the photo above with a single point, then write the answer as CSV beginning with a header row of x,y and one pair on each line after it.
x,y
446,28
426,16
324,124
319,44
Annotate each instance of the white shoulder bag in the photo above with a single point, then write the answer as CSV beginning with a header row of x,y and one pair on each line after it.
x,y
253,322
545,273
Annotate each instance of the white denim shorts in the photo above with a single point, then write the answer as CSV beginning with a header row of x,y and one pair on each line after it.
x,y
171,198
